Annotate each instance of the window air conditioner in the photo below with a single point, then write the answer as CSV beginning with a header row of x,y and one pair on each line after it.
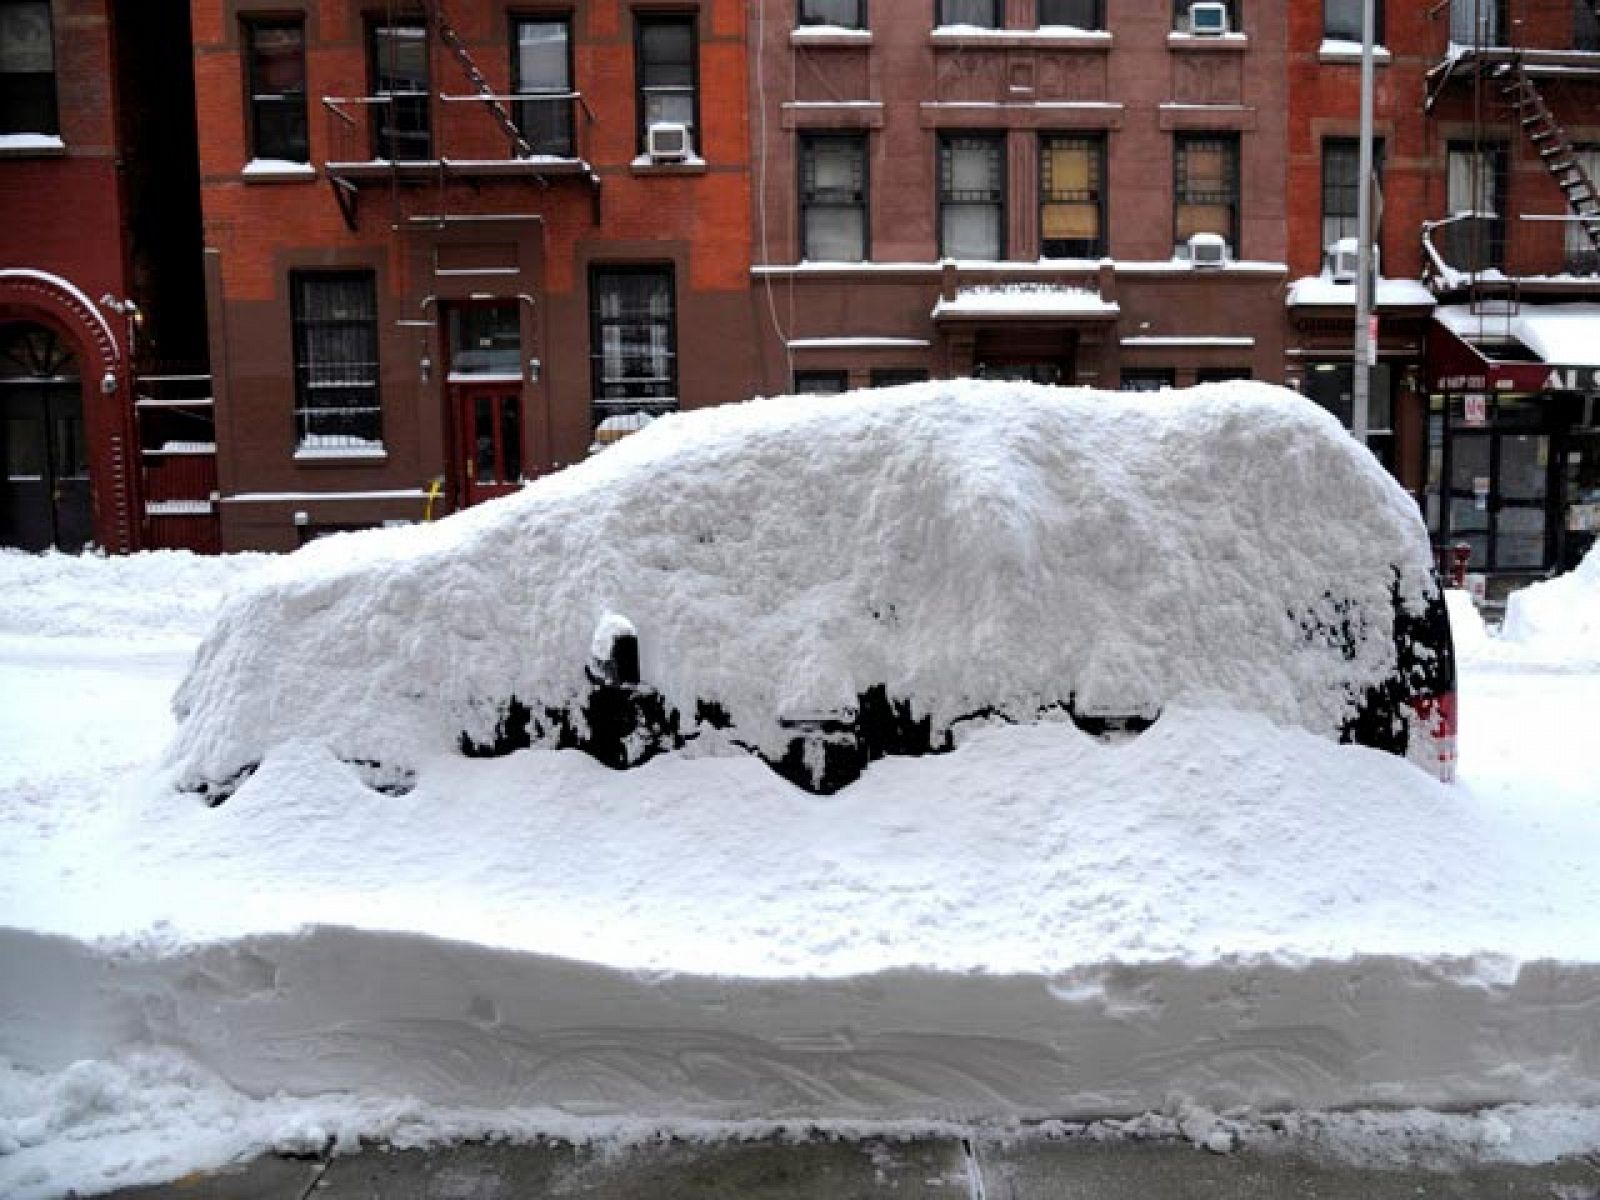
x,y
1208,18
667,141
1208,250
1344,256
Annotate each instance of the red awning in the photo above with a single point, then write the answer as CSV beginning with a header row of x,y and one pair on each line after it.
x,y
1458,364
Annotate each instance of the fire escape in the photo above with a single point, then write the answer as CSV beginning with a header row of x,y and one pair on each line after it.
x,y
1503,86
366,154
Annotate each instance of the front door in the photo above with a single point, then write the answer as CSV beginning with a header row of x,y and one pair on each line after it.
x,y
1499,498
489,427
44,490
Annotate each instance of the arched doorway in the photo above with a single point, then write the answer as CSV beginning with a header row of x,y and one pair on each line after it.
x,y
45,498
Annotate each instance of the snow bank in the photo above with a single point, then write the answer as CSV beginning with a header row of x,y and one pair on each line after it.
x,y
65,595
1563,612
971,546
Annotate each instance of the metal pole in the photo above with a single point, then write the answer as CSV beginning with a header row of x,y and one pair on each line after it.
x,y
1366,347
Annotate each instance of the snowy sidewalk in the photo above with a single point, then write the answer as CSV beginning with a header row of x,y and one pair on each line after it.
x,y
946,1169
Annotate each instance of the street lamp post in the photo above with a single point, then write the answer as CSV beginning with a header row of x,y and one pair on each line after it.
x,y
1366,346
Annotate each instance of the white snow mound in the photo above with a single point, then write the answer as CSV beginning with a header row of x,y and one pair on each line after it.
x,y
969,545
1563,612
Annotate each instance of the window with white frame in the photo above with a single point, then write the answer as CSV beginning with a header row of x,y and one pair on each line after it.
x,y
633,340
1341,20
27,68
335,318
972,207
833,197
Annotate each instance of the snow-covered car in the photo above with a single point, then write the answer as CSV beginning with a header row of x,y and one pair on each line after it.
x,y
825,581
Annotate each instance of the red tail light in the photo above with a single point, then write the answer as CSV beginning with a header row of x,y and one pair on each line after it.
x,y
1433,734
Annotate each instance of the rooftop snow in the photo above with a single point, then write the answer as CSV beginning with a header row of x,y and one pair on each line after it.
x,y
1042,300
1389,293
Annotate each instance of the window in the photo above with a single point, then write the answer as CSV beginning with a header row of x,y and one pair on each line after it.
x,y
972,196
821,383
1147,379
833,198
668,90
633,341
1341,188
1475,191
895,376
1476,22
1220,374
27,68
848,14
277,74
1079,14
543,67
985,14
1585,26
1206,187
1071,197
486,339
1180,15
336,359
1341,20
400,82
1582,257
1332,385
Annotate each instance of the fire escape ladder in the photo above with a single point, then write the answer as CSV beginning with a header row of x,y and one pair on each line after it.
x,y
452,40
1555,150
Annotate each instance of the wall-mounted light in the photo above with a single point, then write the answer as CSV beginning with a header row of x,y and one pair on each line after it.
x,y
535,368
108,384
425,368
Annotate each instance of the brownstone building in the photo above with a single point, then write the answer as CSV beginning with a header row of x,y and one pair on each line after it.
x,y
99,275
448,250
1072,191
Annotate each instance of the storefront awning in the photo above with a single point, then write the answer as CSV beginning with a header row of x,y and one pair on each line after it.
x,y
1546,348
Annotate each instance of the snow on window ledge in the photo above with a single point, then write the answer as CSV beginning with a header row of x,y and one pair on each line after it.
x,y
829,35
277,170
19,145
1337,50
317,450
1061,37
1208,41
645,165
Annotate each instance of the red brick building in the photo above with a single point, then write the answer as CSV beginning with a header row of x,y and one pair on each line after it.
x,y
99,262
451,247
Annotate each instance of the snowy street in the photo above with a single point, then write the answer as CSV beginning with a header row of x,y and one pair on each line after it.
x,y
1036,926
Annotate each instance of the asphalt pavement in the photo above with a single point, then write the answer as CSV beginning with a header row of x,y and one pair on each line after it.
x,y
939,1169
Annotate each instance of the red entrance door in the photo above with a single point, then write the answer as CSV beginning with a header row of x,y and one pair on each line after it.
x,y
489,434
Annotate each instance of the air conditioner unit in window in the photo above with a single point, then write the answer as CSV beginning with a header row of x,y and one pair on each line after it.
x,y
1208,18
667,141
1344,260
1208,250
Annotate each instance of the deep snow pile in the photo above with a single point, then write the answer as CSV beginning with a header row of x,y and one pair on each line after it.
x,y
972,547
1563,612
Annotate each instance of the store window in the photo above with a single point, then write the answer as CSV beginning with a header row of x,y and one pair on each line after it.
x,y
542,72
27,68
1075,14
985,14
1147,379
972,196
845,14
1206,188
833,197
1332,385
1341,20
277,77
1072,196
668,74
821,383
1341,187
401,126
633,337
335,318
895,376
1220,374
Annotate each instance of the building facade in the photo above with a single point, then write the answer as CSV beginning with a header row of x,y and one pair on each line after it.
x,y
451,249
96,187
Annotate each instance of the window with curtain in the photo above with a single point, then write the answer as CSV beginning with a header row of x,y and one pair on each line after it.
x,y
1079,14
667,74
1585,26
848,14
833,197
1475,185
27,68
400,80
972,196
543,68
336,358
1341,187
1476,22
1341,20
277,75
985,14
1206,188
633,341
1582,257
1072,197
